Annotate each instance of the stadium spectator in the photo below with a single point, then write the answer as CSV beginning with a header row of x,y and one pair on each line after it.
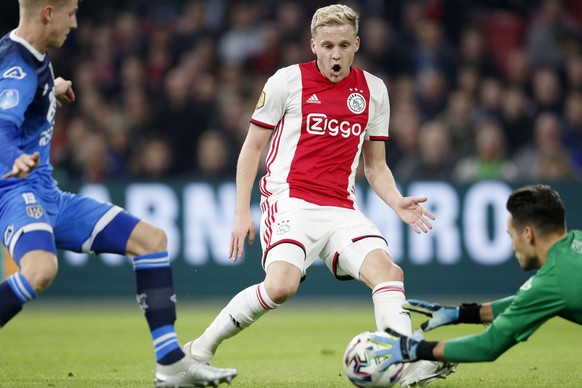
x,y
490,93
516,118
490,160
547,92
545,146
213,156
382,50
153,159
467,80
572,134
550,29
404,127
554,167
432,51
472,53
290,19
180,119
459,119
245,34
537,227
573,76
268,59
432,91
435,159
518,70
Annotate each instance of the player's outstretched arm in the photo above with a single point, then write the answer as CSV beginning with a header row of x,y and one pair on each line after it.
x,y
444,315
382,182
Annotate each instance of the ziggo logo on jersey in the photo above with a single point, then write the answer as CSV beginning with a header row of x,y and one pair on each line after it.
x,y
319,124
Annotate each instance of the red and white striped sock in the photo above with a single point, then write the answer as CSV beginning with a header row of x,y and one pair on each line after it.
x,y
242,310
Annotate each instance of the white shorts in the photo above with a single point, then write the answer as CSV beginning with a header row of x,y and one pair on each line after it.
x,y
299,232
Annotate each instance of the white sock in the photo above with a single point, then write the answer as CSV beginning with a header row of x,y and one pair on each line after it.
x,y
388,298
242,310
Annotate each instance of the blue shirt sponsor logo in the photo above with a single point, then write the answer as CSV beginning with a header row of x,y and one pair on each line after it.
x,y
9,99
15,72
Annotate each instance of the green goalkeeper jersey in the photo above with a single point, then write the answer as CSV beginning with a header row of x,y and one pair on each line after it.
x,y
554,291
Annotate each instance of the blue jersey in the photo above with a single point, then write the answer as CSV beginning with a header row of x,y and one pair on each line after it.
x,y
27,100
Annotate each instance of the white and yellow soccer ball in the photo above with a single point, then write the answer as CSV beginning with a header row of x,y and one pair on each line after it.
x,y
363,369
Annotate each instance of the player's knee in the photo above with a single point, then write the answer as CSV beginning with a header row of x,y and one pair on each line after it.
x,y
158,240
377,269
41,271
395,272
282,291
146,239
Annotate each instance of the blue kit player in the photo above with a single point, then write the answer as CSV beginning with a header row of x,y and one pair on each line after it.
x,y
37,218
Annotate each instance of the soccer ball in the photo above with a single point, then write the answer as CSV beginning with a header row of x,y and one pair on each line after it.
x,y
364,370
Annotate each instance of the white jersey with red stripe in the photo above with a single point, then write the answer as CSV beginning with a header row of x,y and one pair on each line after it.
x,y
319,128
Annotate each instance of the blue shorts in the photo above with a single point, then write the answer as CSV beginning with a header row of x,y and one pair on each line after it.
x,y
74,220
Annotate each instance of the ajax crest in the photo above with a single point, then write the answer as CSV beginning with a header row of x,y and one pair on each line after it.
x,y
356,103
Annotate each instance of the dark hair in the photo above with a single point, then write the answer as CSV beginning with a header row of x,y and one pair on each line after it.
x,y
537,205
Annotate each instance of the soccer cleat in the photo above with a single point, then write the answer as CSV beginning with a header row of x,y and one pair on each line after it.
x,y
190,373
188,349
423,372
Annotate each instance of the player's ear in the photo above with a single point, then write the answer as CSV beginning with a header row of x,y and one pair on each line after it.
x,y
357,43
529,234
47,13
312,45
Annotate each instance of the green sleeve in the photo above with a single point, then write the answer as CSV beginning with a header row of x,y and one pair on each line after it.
x,y
500,305
486,346
516,318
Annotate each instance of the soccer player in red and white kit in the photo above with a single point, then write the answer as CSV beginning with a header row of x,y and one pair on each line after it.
x,y
319,117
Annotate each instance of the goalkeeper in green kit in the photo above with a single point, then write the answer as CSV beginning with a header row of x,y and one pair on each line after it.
x,y
537,227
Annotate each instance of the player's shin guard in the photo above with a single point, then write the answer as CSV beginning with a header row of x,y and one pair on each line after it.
x,y
244,309
14,293
388,298
156,298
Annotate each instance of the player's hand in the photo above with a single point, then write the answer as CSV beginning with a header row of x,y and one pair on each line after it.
x,y
64,91
412,213
243,226
397,348
440,315
23,165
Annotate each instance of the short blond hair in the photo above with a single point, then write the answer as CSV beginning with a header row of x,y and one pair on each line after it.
x,y
335,15
32,6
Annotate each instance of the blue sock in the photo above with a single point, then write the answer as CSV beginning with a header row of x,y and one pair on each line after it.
x,y
155,295
14,293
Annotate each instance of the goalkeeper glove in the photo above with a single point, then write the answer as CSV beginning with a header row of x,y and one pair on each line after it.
x,y
396,348
443,315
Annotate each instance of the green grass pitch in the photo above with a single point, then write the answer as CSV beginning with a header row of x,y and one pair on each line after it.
x,y
100,344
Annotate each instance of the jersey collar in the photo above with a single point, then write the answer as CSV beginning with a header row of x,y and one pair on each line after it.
x,y
37,54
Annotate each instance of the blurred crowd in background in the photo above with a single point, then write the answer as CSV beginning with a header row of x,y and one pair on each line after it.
x,y
485,89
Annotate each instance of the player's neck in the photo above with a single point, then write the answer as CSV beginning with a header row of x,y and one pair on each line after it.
x,y
33,34
547,243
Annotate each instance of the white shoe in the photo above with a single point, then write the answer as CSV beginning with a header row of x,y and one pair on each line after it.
x,y
195,353
423,372
189,373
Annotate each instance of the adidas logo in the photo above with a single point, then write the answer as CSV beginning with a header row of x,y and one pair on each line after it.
x,y
313,100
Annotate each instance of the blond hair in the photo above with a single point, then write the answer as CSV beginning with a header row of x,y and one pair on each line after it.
x,y
335,15
32,6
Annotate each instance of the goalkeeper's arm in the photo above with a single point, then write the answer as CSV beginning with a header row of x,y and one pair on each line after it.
x,y
443,315
486,346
